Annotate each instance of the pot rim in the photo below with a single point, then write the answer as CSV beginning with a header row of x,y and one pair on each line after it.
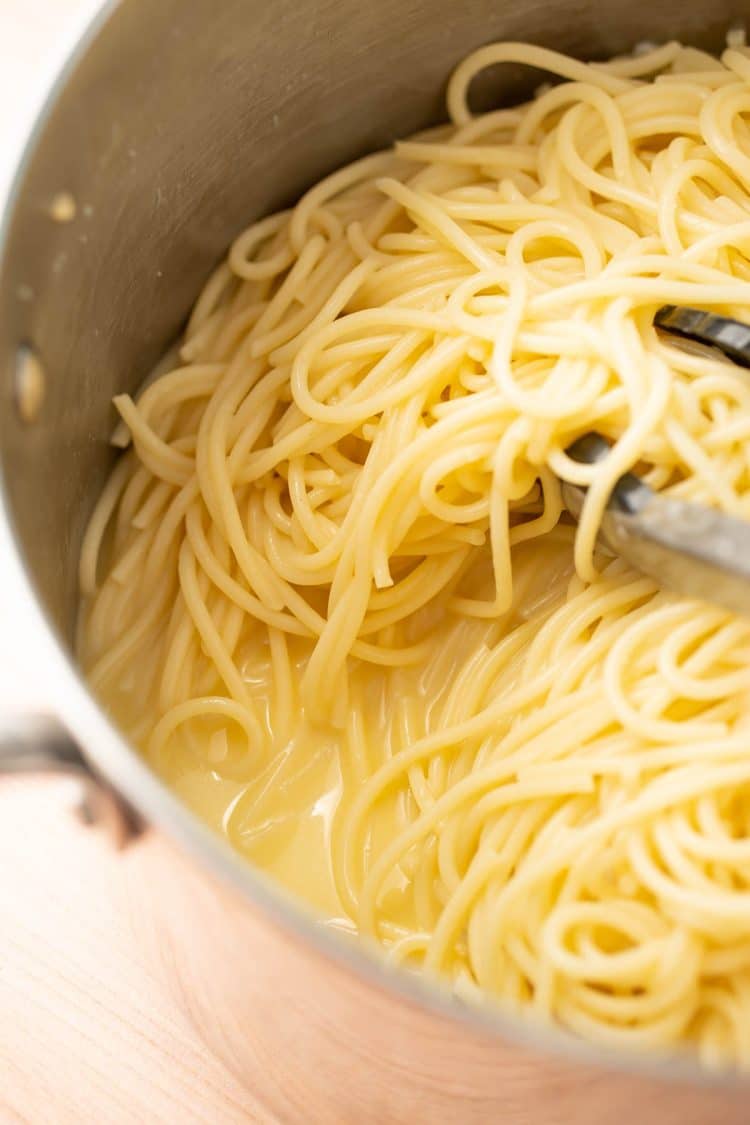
x,y
69,698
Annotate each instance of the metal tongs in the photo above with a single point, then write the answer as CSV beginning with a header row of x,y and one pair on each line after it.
x,y
686,547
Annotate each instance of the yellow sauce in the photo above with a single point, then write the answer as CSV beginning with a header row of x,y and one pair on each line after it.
x,y
282,804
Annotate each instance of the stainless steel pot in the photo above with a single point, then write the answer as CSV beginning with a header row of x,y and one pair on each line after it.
x,y
174,125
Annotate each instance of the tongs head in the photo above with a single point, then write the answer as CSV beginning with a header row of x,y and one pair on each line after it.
x,y
687,547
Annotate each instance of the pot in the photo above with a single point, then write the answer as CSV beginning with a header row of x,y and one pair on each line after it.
x,y
173,126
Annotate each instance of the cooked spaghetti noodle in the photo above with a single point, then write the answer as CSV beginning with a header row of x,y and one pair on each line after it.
x,y
331,590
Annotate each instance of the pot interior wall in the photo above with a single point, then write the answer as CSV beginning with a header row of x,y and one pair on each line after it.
x,y
178,125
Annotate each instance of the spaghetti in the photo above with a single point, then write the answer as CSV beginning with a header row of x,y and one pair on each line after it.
x,y
331,590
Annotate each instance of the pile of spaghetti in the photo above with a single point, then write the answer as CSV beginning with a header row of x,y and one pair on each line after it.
x,y
332,592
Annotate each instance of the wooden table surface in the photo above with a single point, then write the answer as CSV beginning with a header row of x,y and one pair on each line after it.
x,y
87,1032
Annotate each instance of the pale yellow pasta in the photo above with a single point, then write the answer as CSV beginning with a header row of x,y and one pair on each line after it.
x,y
332,592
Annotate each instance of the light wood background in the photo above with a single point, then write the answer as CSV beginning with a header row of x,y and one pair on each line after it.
x,y
87,1033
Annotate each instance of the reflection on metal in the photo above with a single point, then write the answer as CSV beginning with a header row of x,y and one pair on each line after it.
x,y
30,384
63,207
